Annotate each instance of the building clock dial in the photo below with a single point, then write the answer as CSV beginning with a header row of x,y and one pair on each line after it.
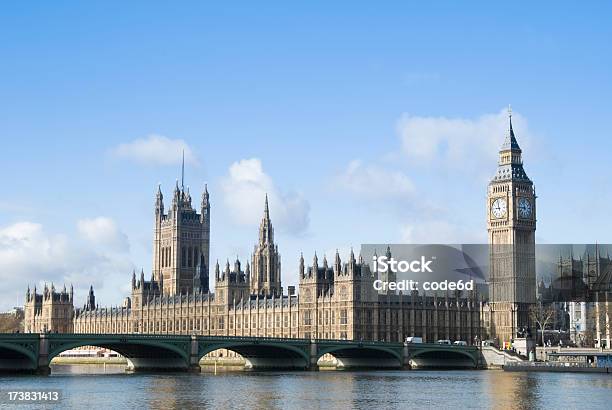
x,y
498,208
524,208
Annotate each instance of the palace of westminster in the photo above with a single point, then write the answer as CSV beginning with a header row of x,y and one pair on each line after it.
x,y
336,300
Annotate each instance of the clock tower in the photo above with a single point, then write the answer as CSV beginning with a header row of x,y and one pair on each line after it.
x,y
511,224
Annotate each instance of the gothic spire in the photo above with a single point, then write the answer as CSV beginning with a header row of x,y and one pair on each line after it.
x,y
183,172
205,197
301,264
177,192
510,143
159,197
266,231
510,165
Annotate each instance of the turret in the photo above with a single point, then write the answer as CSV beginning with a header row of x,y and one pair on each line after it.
x,y
301,265
205,205
226,272
176,198
187,198
159,202
337,263
352,263
91,300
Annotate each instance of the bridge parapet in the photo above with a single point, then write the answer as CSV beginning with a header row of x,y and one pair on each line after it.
x,y
34,352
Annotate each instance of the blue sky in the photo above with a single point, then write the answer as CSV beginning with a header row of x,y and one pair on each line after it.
x,y
367,122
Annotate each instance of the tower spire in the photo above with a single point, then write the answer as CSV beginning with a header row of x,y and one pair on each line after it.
x,y
266,209
510,142
183,172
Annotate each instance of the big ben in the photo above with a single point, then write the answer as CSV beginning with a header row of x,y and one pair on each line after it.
x,y
511,225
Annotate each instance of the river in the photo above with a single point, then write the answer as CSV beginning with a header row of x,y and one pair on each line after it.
x,y
96,386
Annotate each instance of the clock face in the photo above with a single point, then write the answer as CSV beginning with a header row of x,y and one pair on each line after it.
x,y
524,208
498,208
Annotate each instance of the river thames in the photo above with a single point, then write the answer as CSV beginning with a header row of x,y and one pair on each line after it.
x,y
95,386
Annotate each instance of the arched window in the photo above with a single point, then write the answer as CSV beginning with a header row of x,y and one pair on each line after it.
x,y
190,257
183,257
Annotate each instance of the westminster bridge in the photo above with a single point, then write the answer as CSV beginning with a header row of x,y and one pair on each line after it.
x,y
33,352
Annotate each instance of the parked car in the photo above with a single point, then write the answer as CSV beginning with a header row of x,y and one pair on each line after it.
x,y
460,343
414,339
444,342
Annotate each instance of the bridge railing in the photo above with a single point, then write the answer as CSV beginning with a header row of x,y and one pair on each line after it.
x,y
158,336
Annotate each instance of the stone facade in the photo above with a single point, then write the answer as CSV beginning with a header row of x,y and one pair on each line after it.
x,y
49,311
181,242
334,302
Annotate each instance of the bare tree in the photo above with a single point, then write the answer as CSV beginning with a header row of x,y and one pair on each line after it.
x,y
602,319
10,323
541,314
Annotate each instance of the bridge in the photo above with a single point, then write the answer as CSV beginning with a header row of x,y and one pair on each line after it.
x,y
33,352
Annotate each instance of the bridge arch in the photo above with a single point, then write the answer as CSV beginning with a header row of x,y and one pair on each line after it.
x,y
14,356
364,356
141,353
443,358
261,355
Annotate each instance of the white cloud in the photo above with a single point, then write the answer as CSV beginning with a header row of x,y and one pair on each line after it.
x,y
104,232
156,150
244,190
373,180
458,143
29,255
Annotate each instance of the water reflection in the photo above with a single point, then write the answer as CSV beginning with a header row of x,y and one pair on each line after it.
x,y
112,387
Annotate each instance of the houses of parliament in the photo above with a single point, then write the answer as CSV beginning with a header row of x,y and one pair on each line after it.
x,y
335,299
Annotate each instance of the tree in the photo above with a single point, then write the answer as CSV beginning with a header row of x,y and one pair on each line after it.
x,y
542,314
602,322
10,323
